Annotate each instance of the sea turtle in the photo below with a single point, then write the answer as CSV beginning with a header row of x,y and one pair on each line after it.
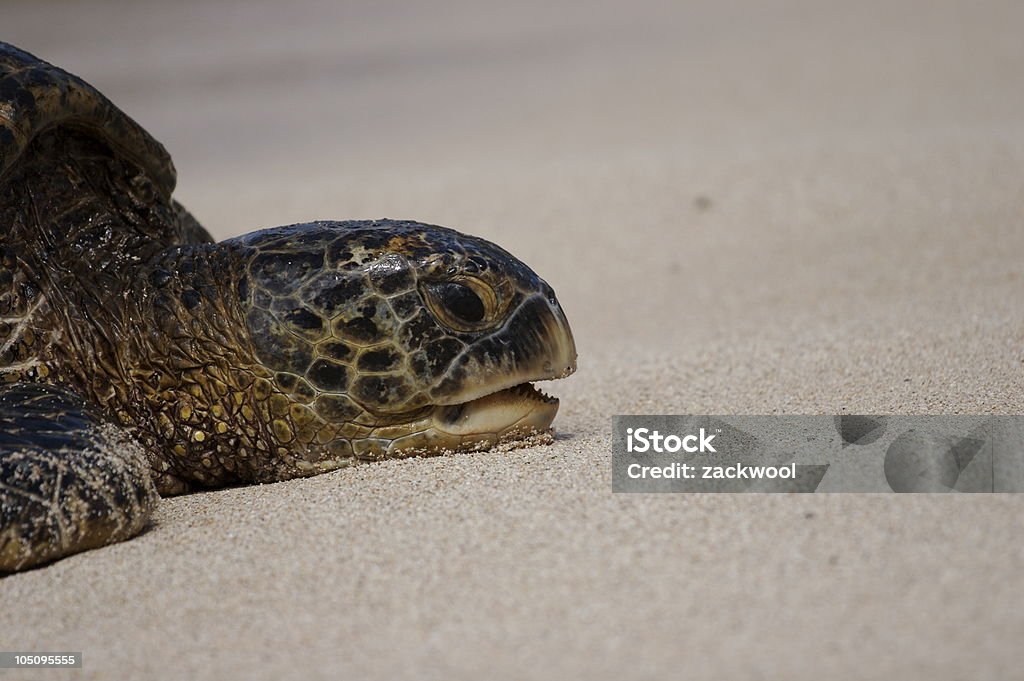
x,y
139,358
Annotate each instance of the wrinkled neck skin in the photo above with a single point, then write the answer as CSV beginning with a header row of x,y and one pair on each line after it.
x,y
208,411
166,355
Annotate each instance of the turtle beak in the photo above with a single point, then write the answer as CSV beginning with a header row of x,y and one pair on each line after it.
x,y
564,345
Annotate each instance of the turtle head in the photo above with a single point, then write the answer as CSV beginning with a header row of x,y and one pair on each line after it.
x,y
403,338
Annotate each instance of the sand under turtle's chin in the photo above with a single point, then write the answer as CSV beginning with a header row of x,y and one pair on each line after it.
x,y
437,443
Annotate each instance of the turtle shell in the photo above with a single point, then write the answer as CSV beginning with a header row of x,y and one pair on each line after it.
x,y
83,188
36,96
85,204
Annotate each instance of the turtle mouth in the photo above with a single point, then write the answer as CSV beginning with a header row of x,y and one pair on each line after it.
x,y
511,417
522,409
490,396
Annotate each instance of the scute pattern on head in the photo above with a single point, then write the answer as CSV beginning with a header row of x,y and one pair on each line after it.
x,y
338,307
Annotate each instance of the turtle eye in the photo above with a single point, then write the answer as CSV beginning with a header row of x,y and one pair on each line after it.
x,y
462,302
462,305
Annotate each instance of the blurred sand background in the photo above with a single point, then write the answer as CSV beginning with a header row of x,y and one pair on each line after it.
x,y
745,207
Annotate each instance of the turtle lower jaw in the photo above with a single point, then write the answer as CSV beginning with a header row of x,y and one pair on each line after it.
x,y
519,410
512,416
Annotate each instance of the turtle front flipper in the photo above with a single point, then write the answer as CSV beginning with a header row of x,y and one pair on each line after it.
x,y
69,480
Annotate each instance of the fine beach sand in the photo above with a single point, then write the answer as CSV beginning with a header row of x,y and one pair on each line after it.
x,y
744,207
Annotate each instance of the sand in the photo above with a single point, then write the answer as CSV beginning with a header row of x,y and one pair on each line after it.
x,y
744,207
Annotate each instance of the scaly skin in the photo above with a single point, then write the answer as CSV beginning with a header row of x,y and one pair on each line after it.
x,y
127,336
